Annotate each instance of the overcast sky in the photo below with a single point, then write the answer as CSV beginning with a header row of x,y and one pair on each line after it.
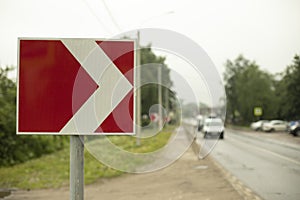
x,y
266,31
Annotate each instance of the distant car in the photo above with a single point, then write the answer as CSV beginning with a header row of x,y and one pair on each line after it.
x,y
275,125
213,126
295,128
291,124
257,126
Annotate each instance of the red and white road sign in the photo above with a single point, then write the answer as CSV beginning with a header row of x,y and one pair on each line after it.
x,y
75,86
154,117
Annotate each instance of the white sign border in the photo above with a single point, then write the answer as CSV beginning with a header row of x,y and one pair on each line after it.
x,y
69,134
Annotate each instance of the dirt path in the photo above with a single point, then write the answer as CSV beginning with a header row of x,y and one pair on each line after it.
x,y
187,178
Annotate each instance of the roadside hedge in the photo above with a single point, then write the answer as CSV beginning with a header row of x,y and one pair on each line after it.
x,y
19,148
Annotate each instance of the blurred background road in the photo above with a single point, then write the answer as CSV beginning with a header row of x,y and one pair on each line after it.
x,y
269,164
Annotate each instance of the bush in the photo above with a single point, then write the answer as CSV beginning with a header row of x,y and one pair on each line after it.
x,y
19,148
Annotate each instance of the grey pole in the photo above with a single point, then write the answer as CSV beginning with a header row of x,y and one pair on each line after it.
x,y
138,91
159,97
167,104
76,167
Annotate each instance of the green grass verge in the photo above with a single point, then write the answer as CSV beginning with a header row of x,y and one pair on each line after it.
x,y
147,144
52,171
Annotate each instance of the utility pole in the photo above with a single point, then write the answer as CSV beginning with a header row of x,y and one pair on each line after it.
x,y
159,97
138,90
167,103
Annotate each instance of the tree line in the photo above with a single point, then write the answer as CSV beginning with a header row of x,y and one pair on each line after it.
x,y
247,87
19,148
150,83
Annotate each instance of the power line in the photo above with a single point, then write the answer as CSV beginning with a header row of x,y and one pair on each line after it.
x,y
111,15
96,16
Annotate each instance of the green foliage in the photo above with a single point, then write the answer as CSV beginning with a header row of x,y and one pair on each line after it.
x,y
7,118
288,91
149,92
15,149
149,144
247,87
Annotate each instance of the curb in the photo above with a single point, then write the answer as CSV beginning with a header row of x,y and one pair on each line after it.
x,y
245,192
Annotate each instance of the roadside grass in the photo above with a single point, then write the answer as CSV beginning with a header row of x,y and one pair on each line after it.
x,y
52,171
149,144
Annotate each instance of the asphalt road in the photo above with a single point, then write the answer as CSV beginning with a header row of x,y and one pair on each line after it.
x,y
269,168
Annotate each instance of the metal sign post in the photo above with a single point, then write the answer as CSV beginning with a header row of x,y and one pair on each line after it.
x,y
76,167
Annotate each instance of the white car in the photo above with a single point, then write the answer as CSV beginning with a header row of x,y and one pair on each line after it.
x,y
275,125
213,126
257,126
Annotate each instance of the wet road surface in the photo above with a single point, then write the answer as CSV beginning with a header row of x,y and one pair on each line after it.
x,y
271,169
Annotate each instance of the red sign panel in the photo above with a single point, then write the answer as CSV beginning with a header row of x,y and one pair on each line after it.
x,y
75,86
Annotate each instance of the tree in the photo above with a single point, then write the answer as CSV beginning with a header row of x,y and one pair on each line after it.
x,y
247,87
19,148
288,89
7,116
149,92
